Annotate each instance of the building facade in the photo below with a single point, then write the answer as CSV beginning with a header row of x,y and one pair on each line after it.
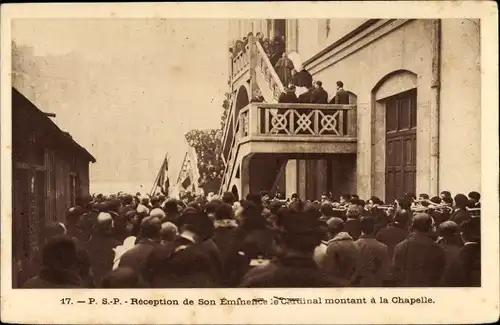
x,y
50,172
416,88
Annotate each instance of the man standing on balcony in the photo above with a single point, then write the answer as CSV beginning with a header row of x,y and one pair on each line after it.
x,y
287,97
342,96
319,95
284,68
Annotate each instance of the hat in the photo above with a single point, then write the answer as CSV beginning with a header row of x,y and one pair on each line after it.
x,y
335,224
157,213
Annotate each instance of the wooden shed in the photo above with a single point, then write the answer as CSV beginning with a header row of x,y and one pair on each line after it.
x,y
50,171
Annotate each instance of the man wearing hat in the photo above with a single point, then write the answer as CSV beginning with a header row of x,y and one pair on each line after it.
x,y
101,247
185,262
288,96
319,95
374,267
148,239
418,261
341,256
465,269
300,234
396,231
73,216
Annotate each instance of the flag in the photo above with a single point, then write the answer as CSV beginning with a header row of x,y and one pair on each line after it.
x,y
163,180
186,183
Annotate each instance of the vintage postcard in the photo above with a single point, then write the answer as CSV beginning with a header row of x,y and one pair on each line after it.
x,y
257,163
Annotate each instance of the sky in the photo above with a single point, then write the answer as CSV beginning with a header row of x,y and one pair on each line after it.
x,y
131,89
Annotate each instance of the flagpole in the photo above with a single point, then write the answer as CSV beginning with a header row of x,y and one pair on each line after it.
x,y
158,175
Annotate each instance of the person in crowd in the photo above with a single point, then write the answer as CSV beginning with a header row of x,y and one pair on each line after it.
x,y
171,209
395,232
267,47
284,68
123,278
306,97
476,198
73,216
341,96
319,95
211,208
146,201
439,215
168,233
464,269
257,99
155,203
224,239
274,207
341,257
460,214
300,235
228,198
450,240
423,197
185,263
101,247
344,199
127,204
327,211
260,38
418,261
288,96
158,213
352,225
255,198
403,203
277,48
32,264
374,260
149,237
254,243
444,194
59,265
303,79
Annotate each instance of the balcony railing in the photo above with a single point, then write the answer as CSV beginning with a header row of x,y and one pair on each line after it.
x,y
267,69
298,120
240,62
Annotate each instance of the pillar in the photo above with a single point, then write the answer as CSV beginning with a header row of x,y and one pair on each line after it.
x,y
291,179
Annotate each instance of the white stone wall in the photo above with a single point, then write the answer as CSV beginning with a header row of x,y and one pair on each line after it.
x,y
460,121
363,64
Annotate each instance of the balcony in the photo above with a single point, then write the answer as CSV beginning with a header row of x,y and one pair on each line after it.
x,y
298,127
258,137
292,130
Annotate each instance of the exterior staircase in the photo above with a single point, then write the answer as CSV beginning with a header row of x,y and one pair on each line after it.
x,y
271,128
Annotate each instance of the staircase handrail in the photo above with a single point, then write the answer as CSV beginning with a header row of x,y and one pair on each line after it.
x,y
270,67
231,156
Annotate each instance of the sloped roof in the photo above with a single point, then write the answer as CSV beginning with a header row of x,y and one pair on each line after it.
x,y
20,102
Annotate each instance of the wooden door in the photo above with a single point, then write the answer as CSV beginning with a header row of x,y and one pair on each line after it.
x,y
401,149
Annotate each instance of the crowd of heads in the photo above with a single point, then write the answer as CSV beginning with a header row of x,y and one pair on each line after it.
x,y
126,240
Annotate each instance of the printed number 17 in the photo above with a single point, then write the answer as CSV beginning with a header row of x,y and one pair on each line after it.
x,y
65,301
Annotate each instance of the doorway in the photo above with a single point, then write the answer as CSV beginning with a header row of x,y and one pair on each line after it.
x,y
401,149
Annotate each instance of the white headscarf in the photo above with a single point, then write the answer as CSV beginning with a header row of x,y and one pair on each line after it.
x,y
128,243
297,61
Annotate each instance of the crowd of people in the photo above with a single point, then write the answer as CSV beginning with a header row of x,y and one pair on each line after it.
x,y
274,48
294,76
127,241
